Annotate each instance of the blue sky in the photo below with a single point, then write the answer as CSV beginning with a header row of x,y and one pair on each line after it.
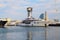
x,y
16,9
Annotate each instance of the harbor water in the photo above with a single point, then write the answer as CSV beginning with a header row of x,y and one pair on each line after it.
x,y
38,33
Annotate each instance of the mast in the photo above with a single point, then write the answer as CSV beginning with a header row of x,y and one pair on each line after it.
x,y
46,17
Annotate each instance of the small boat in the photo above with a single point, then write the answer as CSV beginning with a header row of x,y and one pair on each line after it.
x,y
2,23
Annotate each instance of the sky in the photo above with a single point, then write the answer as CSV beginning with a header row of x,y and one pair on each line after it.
x,y
17,9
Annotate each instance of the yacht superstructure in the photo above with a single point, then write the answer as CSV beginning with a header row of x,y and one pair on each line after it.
x,y
30,21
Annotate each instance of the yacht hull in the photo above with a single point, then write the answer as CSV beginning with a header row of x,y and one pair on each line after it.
x,y
54,24
31,25
2,24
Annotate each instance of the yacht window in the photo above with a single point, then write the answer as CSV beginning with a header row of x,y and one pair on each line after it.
x,y
35,22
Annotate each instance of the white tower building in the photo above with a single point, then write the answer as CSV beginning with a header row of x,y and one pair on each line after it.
x,y
29,9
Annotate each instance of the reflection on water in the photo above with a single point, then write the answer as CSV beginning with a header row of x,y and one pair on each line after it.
x,y
38,33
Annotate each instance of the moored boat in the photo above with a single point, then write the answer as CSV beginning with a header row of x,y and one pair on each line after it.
x,y
2,23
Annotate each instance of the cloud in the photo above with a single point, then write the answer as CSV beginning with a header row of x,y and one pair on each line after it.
x,y
42,0
2,5
11,12
53,11
18,4
18,7
57,1
9,0
15,7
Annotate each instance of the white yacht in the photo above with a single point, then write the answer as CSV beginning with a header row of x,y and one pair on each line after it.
x,y
30,21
